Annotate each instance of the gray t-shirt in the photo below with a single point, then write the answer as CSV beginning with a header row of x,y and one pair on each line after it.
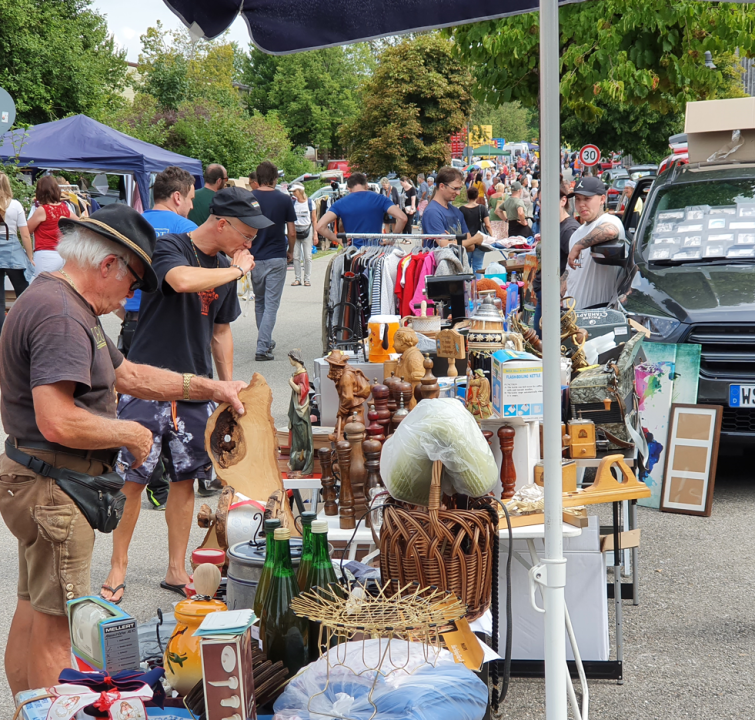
x,y
511,205
52,335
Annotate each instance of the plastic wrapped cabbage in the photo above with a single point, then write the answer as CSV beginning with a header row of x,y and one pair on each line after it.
x,y
419,691
439,429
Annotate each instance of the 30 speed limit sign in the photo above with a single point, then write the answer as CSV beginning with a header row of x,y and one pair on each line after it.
x,y
589,155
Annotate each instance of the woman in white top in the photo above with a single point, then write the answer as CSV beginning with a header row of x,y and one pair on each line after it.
x,y
15,242
306,221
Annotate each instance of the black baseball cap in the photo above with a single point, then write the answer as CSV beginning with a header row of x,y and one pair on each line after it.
x,y
588,186
234,202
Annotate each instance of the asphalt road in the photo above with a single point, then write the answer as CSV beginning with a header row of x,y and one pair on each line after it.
x,y
688,645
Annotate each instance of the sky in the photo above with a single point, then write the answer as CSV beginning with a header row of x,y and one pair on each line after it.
x,y
129,19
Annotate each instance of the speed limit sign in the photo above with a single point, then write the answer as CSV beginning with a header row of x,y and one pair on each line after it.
x,y
589,155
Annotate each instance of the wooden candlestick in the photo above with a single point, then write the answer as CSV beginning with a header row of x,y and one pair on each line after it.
x,y
392,401
375,429
506,435
327,481
346,499
381,395
354,434
372,449
428,387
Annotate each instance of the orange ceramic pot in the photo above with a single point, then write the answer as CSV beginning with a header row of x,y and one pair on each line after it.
x,y
183,662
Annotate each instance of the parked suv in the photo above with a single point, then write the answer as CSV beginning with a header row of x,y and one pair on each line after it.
x,y
689,276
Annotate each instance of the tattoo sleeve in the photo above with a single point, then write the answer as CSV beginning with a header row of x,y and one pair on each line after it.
x,y
601,234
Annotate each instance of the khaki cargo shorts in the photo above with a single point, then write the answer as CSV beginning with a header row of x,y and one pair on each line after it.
x,y
55,541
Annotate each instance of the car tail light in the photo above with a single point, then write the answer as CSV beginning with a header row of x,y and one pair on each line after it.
x,y
613,191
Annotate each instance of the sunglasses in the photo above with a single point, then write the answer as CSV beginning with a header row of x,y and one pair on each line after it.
x,y
138,282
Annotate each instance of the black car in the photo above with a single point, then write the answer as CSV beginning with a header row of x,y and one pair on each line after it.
x,y
689,277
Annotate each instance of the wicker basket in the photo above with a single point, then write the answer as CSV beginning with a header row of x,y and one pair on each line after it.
x,y
450,549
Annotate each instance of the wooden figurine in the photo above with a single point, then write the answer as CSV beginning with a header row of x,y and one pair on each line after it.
x,y
506,435
478,396
389,382
354,433
374,484
450,345
243,448
352,386
428,388
302,458
327,481
381,395
411,365
375,429
346,500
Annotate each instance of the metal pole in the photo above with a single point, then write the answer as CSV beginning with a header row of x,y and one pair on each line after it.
x,y
550,152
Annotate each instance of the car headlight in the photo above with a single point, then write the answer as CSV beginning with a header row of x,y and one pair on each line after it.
x,y
660,326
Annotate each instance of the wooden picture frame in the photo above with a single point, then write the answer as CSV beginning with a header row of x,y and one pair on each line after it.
x,y
689,474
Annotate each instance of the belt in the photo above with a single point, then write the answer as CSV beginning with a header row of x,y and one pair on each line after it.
x,y
107,457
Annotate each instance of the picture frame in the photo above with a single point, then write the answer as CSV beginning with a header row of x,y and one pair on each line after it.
x,y
689,474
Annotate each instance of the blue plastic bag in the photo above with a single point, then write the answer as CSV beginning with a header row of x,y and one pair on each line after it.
x,y
447,691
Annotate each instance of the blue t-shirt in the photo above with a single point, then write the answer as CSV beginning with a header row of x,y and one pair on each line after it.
x,y
164,222
272,242
439,220
362,211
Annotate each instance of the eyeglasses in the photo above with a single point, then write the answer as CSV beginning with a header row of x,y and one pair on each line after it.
x,y
455,188
248,238
138,282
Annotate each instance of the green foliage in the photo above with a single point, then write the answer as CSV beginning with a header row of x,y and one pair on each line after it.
x,y
648,53
312,92
510,120
22,191
417,98
57,59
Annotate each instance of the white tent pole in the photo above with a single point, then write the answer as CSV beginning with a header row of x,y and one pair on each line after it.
x,y
550,167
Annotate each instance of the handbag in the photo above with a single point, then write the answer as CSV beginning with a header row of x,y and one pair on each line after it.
x,y
98,497
303,234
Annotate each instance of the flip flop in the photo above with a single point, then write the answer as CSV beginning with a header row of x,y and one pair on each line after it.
x,y
173,588
114,590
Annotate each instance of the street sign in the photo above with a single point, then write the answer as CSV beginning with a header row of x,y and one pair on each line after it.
x,y
589,155
7,111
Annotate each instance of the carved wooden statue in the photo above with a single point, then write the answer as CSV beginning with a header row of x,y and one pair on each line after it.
x,y
354,433
302,458
411,365
506,435
352,386
478,396
346,500
327,481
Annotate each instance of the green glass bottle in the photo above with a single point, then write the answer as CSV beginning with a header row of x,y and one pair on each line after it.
x,y
322,575
267,568
306,547
284,635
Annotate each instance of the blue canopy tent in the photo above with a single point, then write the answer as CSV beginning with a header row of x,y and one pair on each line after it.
x,y
80,143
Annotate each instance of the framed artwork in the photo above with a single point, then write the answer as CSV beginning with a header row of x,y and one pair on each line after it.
x,y
692,453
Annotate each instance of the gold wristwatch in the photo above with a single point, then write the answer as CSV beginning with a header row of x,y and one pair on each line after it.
x,y
187,383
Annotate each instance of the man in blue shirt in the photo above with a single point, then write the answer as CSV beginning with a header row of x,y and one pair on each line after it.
x,y
441,217
360,211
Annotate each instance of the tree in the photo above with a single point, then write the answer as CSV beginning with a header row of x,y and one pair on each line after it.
x,y
510,121
312,92
648,53
416,99
56,59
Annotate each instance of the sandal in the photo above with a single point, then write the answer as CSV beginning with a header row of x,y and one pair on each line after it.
x,y
179,589
114,590
295,283
307,283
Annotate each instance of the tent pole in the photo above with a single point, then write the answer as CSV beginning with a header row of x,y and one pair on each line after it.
x,y
554,562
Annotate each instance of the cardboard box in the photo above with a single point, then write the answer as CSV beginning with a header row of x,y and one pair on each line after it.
x,y
517,385
627,538
709,125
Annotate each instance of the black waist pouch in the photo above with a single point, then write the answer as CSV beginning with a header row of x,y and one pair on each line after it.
x,y
98,497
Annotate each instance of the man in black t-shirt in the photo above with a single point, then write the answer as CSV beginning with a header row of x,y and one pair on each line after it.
x,y
182,326
272,251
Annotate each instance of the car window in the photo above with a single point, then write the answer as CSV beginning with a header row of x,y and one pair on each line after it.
x,y
694,222
619,184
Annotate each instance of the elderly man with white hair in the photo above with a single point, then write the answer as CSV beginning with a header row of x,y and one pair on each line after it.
x,y
59,373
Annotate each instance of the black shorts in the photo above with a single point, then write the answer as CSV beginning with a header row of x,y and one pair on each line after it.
x,y
181,442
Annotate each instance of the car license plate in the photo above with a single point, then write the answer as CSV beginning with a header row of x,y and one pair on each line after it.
x,y
741,395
